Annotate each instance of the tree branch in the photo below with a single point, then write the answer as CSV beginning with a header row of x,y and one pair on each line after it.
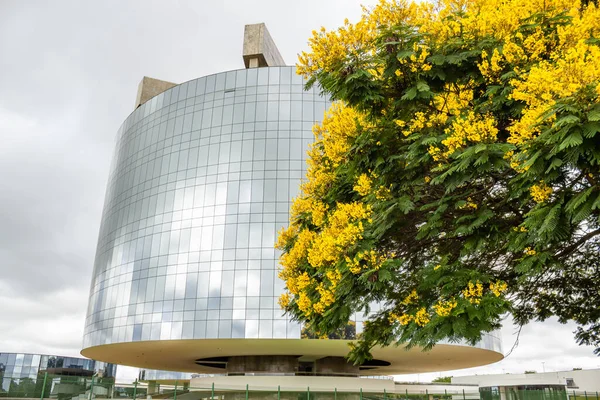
x,y
568,250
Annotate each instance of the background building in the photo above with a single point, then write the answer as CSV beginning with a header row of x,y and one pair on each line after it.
x,y
547,385
185,276
41,375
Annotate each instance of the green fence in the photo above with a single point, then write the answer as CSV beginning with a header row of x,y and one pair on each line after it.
x,y
579,395
182,391
61,387
89,388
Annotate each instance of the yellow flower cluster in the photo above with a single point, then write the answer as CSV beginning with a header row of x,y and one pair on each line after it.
x,y
498,288
364,260
435,152
302,281
336,227
326,299
530,252
422,317
411,298
453,100
363,185
344,228
298,253
304,303
285,236
478,18
418,58
333,48
295,283
540,192
473,292
284,300
472,128
569,67
339,124
330,149
319,250
491,68
469,205
334,276
418,122
515,162
444,308
422,120
310,205
562,64
403,319
383,193
319,174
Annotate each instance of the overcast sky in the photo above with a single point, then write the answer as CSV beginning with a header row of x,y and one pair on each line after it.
x,y
69,72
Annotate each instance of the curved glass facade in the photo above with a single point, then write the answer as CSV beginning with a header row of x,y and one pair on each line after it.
x,y
202,179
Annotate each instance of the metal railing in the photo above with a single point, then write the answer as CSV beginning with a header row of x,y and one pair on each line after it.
x,y
46,386
61,387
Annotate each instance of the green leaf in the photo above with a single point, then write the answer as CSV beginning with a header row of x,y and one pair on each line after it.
x,y
437,59
550,222
403,54
579,199
596,205
574,139
384,275
555,163
584,211
410,94
594,114
566,120
422,86
591,128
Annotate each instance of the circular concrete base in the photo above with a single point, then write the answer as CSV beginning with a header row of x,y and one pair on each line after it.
x,y
181,355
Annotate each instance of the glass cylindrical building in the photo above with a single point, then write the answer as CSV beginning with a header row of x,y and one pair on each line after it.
x,y
185,276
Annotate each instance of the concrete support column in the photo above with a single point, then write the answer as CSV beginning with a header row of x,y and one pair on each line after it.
x,y
153,387
267,364
335,366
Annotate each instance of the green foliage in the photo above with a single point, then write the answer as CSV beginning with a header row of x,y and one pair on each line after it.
x,y
442,379
487,210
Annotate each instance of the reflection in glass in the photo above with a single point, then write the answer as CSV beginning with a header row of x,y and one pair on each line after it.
x,y
202,178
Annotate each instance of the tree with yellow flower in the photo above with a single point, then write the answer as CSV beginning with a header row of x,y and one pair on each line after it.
x,y
456,177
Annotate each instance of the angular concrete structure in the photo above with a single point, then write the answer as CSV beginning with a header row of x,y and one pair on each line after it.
x,y
150,87
259,48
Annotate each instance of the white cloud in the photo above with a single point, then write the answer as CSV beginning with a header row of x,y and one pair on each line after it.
x,y
50,323
543,346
